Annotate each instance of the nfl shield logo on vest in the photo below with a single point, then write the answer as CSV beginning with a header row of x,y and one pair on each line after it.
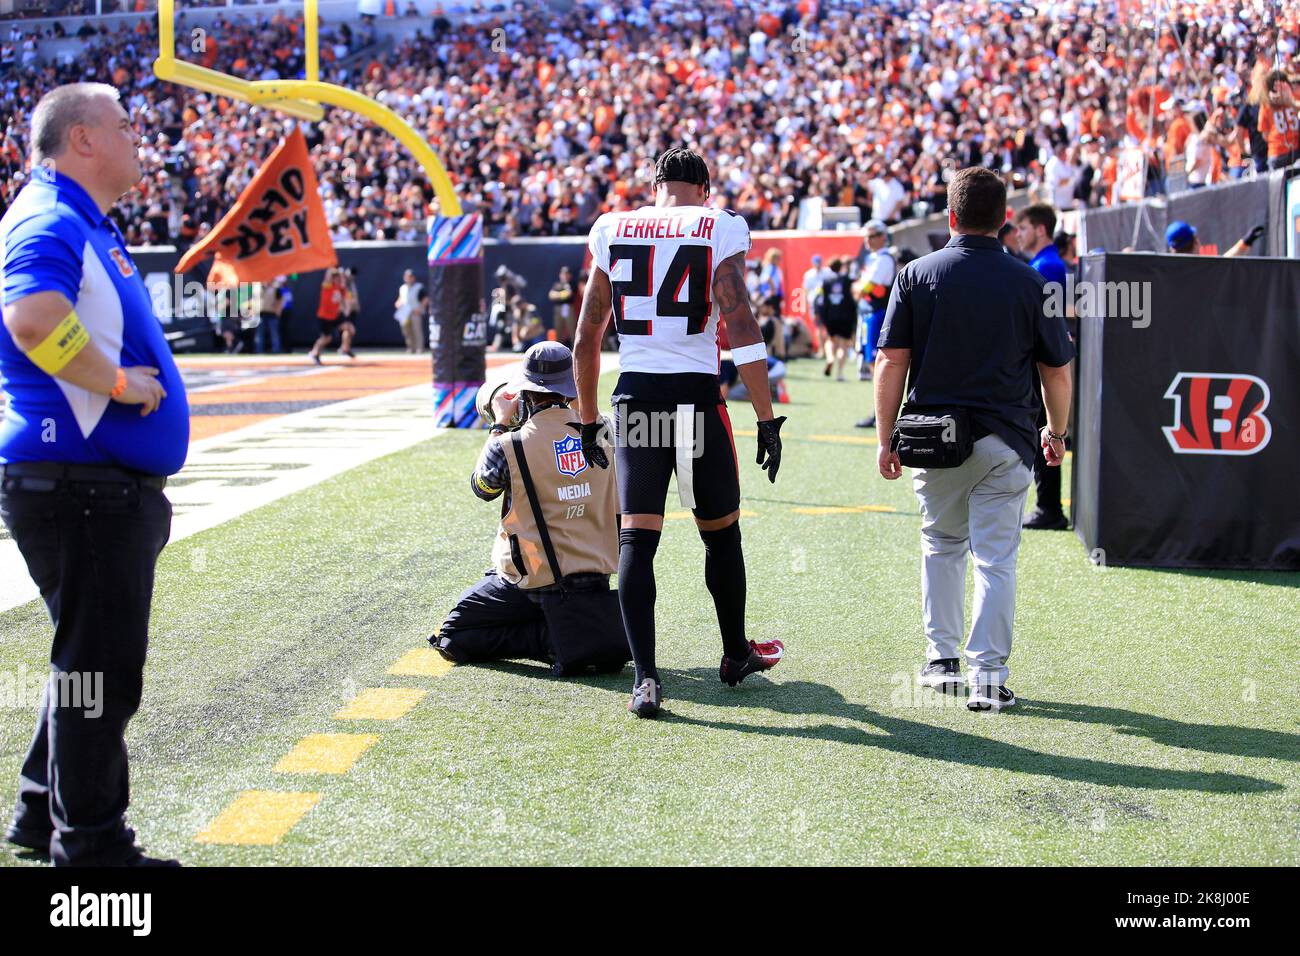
x,y
569,459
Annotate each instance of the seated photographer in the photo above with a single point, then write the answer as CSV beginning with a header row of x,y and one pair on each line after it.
x,y
547,595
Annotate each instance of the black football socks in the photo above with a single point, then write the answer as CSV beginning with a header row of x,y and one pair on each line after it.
x,y
636,596
724,574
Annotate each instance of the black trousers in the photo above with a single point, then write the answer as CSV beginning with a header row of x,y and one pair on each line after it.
x,y
494,620
91,548
1047,481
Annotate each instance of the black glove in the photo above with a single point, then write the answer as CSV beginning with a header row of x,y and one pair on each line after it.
x,y
769,445
591,435
1253,236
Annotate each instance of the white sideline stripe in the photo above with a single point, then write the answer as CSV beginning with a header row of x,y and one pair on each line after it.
x,y
229,475
258,379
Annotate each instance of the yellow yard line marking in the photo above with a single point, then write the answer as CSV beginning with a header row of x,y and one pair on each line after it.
x,y
836,439
846,439
420,662
381,703
844,509
325,753
258,817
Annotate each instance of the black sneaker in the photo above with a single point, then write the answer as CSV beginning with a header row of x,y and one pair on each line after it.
x,y
866,423
942,675
29,839
988,697
762,657
348,352
316,359
646,697
1041,520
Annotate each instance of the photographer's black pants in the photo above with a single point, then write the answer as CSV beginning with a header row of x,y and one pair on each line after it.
x,y
494,620
91,548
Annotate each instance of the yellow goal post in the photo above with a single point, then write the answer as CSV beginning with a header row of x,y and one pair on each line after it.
x,y
301,99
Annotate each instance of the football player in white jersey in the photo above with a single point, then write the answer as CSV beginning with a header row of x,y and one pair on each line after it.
x,y
668,273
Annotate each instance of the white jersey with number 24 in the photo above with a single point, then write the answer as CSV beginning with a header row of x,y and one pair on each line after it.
x,y
660,262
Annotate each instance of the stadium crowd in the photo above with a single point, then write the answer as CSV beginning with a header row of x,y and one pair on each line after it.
x,y
546,117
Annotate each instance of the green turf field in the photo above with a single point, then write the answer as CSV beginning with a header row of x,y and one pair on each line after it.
x,y
1158,721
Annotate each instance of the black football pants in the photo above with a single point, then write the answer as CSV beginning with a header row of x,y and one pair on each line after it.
x,y
493,620
1047,480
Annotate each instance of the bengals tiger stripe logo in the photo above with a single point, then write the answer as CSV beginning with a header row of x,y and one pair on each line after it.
x,y
1218,414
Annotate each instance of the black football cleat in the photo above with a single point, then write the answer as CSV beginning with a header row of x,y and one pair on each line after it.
x,y
1046,521
990,697
762,657
646,697
943,675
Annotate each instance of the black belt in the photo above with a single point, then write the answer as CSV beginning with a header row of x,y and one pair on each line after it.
x,y
45,476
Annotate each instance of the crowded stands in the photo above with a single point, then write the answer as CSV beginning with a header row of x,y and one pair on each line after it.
x,y
547,116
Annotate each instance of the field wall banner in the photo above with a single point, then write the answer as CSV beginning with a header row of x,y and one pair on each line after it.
x,y
1221,215
797,247
1188,433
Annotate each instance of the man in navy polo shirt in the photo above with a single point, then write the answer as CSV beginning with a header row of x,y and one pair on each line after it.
x,y
95,420
1036,229
965,327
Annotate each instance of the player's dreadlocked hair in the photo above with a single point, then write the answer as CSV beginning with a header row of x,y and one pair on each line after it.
x,y
682,165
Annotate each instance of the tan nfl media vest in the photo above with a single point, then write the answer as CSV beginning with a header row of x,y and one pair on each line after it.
x,y
578,501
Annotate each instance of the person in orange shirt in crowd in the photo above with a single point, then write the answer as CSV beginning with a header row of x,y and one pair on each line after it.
x,y
1278,120
333,300
1180,127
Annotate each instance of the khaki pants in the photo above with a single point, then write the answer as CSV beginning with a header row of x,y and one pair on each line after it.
x,y
975,508
413,332
562,320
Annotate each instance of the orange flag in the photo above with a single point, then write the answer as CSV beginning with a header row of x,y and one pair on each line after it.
x,y
276,227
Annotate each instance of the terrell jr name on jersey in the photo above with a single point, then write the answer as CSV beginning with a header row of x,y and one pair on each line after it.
x,y
660,262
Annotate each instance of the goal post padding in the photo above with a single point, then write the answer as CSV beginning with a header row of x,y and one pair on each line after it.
x,y
457,317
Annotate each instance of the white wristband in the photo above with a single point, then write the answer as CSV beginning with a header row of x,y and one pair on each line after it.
x,y
749,353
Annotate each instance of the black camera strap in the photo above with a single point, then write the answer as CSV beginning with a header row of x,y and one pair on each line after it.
x,y
526,476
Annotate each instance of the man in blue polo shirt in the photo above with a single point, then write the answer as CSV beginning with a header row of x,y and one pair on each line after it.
x,y
95,419
1036,230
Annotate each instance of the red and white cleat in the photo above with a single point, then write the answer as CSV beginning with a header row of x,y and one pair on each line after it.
x,y
762,657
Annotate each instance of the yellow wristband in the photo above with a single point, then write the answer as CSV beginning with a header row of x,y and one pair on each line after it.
x,y
61,346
